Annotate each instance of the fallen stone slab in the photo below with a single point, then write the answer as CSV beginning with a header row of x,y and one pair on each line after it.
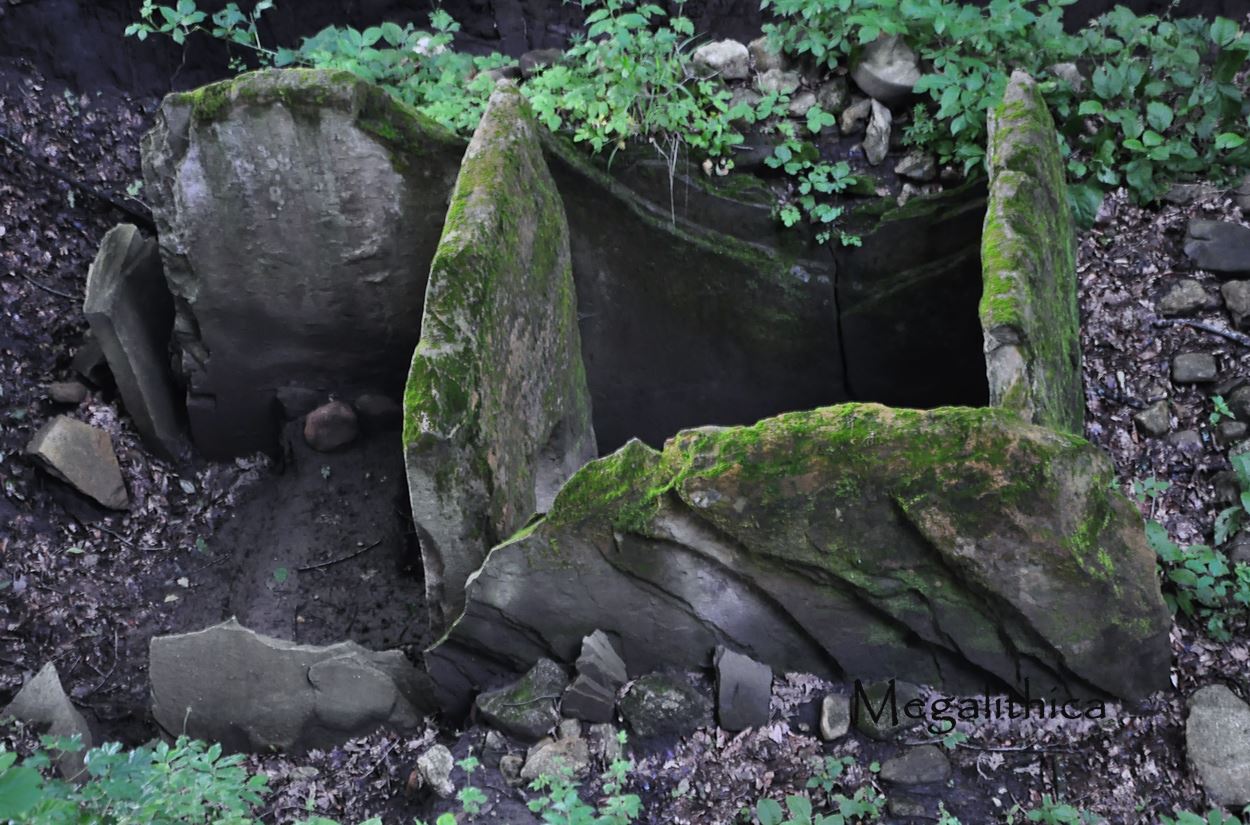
x,y
917,766
1220,247
298,211
1217,739
958,547
744,689
665,704
131,313
42,703
1028,252
600,674
497,413
82,456
526,709
253,693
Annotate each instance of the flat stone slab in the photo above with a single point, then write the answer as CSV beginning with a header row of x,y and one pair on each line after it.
x,y
1220,247
82,456
950,546
253,693
497,413
131,314
1217,739
42,703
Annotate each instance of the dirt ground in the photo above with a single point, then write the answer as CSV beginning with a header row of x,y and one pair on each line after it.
x,y
87,588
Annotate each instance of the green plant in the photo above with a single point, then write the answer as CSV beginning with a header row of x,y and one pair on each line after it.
x,y
1053,812
816,180
1220,410
561,804
469,797
830,771
864,806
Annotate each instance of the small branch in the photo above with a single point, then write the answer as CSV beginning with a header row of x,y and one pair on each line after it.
x,y
332,562
1235,337
45,288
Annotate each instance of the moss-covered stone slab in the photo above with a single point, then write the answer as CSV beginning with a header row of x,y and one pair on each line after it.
x,y
1028,252
960,547
497,414
298,213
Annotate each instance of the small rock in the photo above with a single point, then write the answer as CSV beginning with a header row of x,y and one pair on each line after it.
x,y
855,117
801,103
297,402
378,412
1188,442
775,81
1227,487
605,744
1185,297
728,59
745,96
665,705
743,690
1217,738
877,138
1069,73
912,807
82,456
89,361
494,748
835,716
886,70
533,62
1155,420
510,767
1194,368
331,426
1181,194
917,766
917,165
67,392
1239,549
600,674
558,757
42,703
833,95
1220,247
881,716
1239,402
434,769
1229,432
527,708
1241,196
764,56
1237,299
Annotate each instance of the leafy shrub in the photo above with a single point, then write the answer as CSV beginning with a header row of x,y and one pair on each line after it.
x,y
1162,100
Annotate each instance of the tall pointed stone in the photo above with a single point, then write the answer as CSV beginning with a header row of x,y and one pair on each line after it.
x,y
497,414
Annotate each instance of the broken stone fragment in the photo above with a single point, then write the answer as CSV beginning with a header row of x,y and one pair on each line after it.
x,y
1220,247
1155,420
253,693
67,392
43,704
1185,297
497,410
82,456
434,771
801,103
917,165
917,766
331,427
764,56
1237,298
778,82
887,70
727,59
527,708
600,673
1217,739
833,95
737,532
877,137
1194,368
855,116
663,704
131,313
743,690
879,712
835,716
567,755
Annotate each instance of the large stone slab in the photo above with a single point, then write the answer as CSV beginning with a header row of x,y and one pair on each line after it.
x,y
251,692
131,314
43,704
497,413
82,456
1028,252
955,547
298,211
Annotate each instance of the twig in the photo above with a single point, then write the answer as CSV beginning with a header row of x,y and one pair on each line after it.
x,y
1235,337
45,288
332,562
140,218
379,761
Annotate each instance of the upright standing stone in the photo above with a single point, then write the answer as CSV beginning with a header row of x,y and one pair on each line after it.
x,y
497,414
298,212
131,314
1028,255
